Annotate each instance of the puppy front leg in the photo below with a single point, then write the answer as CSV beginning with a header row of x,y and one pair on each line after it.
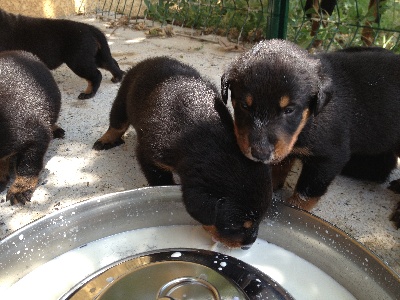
x,y
302,202
280,171
87,69
395,187
111,138
316,175
156,174
118,124
4,172
28,166
58,132
396,216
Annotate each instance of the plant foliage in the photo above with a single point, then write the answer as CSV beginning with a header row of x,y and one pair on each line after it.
x,y
247,20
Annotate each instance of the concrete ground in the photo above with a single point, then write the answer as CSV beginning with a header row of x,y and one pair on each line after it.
x,y
74,172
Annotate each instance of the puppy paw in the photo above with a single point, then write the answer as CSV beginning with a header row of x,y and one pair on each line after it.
x,y
22,189
116,79
302,202
21,198
99,145
396,216
58,133
395,186
84,96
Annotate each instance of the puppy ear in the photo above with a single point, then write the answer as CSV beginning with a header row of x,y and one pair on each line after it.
x,y
213,215
220,209
324,91
224,87
220,205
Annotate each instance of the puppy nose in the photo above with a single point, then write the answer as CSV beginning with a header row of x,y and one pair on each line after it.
x,y
246,247
250,238
261,151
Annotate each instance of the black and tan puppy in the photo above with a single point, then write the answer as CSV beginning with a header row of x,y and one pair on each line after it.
x,y
182,125
321,109
81,46
29,105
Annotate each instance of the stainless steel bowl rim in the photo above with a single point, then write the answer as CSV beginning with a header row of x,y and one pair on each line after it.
x,y
297,231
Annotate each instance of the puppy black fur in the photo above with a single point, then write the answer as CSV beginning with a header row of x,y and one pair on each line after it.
x,y
29,106
322,109
81,46
378,167
182,125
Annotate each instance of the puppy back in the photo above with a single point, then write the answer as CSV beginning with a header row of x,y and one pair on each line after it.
x,y
140,86
27,87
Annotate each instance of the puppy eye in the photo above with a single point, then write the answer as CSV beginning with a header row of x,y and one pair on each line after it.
x,y
233,228
244,105
288,110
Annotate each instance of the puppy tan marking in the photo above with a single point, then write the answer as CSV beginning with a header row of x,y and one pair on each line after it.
x,y
302,202
164,166
230,243
249,100
284,101
285,144
89,88
280,171
242,140
304,151
22,188
113,135
248,224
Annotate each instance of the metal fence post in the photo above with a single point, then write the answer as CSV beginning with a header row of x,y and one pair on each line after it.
x,y
277,19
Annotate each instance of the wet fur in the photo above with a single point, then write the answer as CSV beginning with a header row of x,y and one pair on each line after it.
x,y
333,111
183,126
81,46
29,106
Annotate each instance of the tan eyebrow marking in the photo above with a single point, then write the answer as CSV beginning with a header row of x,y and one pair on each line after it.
x,y
248,224
249,100
284,101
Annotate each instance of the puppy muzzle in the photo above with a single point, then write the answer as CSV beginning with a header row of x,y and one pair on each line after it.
x,y
246,247
261,152
249,240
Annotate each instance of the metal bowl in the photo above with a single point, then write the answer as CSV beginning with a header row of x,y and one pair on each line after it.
x,y
348,262
178,274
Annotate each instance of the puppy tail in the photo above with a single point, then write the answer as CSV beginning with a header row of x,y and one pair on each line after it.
x,y
103,47
103,57
224,87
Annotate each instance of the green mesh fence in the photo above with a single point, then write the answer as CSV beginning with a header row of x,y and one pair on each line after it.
x,y
350,23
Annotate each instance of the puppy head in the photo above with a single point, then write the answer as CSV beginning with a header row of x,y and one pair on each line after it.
x,y
231,208
275,88
234,226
